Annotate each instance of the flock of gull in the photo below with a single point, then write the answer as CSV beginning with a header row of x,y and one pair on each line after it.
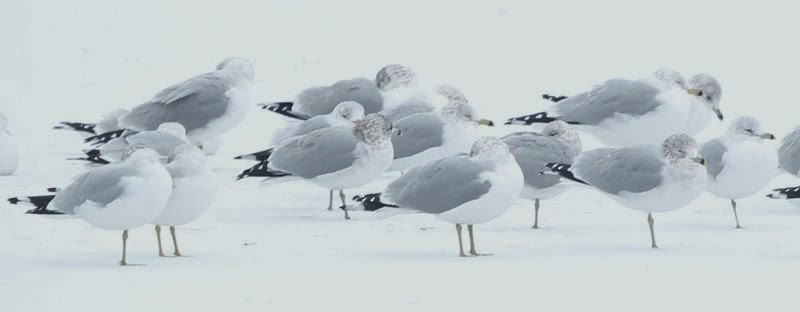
x,y
149,163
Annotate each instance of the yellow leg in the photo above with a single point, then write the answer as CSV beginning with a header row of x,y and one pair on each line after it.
x,y
177,252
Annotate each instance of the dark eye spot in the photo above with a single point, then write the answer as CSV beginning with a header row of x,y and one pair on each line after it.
x,y
708,97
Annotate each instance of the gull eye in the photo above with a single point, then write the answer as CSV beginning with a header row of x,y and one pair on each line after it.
x,y
708,97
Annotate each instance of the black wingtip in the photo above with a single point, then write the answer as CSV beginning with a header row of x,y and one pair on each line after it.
x,y
77,126
40,202
259,156
554,98
261,169
565,171
104,137
372,202
284,109
541,117
52,189
43,211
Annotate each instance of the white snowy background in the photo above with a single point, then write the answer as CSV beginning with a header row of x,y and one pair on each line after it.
x,y
277,248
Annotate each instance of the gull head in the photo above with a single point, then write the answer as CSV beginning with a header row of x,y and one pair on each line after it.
x,y
348,110
239,67
173,128
563,131
748,128
680,147
707,90
459,110
450,93
489,146
374,129
670,78
139,151
394,76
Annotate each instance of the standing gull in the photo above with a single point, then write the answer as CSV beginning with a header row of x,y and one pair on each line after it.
x,y
557,143
115,197
789,153
206,105
163,141
740,163
463,189
9,155
646,178
392,85
193,189
336,158
623,112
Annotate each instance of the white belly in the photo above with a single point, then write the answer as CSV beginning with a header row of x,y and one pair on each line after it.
x,y
532,193
672,195
365,169
749,166
652,128
698,118
191,197
506,187
238,105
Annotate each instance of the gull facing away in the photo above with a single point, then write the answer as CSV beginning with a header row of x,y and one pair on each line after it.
x,y
194,187
9,154
462,189
790,194
206,106
645,178
623,112
392,85
789,152
434,135
557,143
163,141
740,163
336,158
118,196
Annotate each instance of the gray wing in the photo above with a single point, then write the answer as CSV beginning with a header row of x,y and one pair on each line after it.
x,y
614,170
312,124
320,152
439,185
321,100
163,143
712,152
420,132
616,96
533,151
789,152
193,104
411,107
100,185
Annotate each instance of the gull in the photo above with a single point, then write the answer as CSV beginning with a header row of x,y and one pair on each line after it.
x,y
740,163
424,102
790,194
623,112
647,178
336,158
462,189
392,85
9,155
107,123
163,141
119,196
433,135
789,152
206,105
557,143
193,189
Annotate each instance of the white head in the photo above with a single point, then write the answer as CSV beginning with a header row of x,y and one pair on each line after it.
x,y
238,67
348,110
681,147
670,78
564,132
374,129
139,151
3,122
708,91
457,107
186,151
394,76
748,128
489,147
173,128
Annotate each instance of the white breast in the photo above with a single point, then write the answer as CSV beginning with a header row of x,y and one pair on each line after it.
x,y
191,197
238,105
749,166
679,188
374,162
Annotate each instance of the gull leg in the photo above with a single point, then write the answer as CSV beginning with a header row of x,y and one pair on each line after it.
x,y
177,252
158,237
650,221
735,214
330,200
460,244
536,214
472,243
341,195
124,261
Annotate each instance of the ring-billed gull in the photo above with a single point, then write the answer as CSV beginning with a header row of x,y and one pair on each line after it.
x,y
9,155
193,189
462,189
789,152
645,177
622,112
119,196
107,123
336,158
206,105
392,85
740,163
163,140
433,135
557,143
790,194
424,102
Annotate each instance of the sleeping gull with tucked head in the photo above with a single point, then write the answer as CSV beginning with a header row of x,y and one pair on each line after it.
x,y
119,196
462,189
336,158
740,163
424,102
646,178
557,143
622,112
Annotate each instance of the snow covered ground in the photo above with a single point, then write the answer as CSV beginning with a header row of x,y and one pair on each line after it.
x,y
276,247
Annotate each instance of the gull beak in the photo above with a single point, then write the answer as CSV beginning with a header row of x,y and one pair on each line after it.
x,y
486,122
718,112
695,91
396,131
700,160
768,136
